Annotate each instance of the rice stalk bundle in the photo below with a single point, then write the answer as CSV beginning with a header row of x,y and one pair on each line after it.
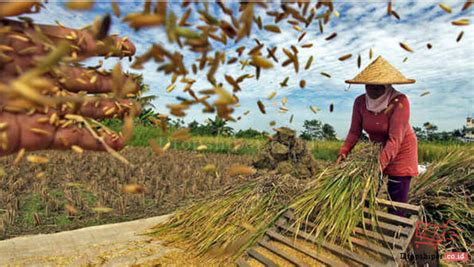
x,y
446,192
335,204
233,220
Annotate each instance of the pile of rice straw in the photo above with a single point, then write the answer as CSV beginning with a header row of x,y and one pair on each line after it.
x,y
446,192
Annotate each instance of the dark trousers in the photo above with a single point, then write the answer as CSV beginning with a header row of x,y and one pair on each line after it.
x,y
398,187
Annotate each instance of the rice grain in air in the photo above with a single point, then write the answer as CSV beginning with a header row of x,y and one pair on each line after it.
x,y
302,84
395,14
308,45
460,36
446,8
19,156
359,61
314,109
209,168
389,8
429,46
272,28
262,62
308,63
425,93
291,118
133,189
272,95
331,107
461,22
332,36
345,57
238,169
156,148
201,148
467,5
77,149
261,107
37,159
405,59
326,74
371,53
116,8
406,47
102,210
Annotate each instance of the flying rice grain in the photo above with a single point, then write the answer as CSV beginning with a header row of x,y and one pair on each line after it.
x,y
314,109
262,62
77,149
429,46
460,36
37,159
371,53
170,88
133,189
272,28
238,169
201,148
406,47
359,61
19,156
395,14
209,168
389,8
272,95
461,22
446,8
331,107
425,93
467,5
156,148
291,118
40,131
345,57
405,59
261,107
326,74
332,36
3,126
301,36
302,84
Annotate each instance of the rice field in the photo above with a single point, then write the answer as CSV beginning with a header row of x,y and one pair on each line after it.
x,y
322,150
73,191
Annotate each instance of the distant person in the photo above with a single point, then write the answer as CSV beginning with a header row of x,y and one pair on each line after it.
x,y
384,114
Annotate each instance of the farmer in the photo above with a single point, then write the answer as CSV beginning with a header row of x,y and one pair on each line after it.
x,y
384,113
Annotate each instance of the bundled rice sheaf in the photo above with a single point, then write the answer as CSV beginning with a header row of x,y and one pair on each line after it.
x,y
335,204
233,219
446,192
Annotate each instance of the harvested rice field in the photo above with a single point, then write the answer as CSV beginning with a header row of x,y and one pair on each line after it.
x,y
69,192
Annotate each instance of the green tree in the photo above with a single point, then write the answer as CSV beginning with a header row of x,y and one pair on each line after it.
x,y
430,131
313,130
248,133
328,132
219,127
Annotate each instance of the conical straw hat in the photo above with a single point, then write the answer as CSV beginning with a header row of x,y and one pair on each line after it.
x,y
380,72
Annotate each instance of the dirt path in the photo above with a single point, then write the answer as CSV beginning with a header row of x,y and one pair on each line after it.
x,y
109,245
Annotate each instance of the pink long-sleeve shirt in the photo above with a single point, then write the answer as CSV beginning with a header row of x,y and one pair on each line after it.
x,y
399,156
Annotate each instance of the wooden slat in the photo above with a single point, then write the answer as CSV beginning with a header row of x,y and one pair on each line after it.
x,y
242,263
282,254
266,261
334,248
396,242
391,229
313,254
403,206
375,247
387,217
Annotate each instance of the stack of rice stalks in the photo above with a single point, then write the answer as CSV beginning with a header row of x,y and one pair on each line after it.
x,y
231,222
335,204
446,192
286,154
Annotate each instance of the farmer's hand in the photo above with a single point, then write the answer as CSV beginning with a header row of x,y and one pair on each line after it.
x,y
38,92
340,158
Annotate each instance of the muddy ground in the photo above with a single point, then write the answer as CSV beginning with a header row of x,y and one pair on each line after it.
x,y
64,194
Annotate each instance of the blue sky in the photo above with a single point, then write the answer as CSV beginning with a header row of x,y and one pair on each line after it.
x,y
446,70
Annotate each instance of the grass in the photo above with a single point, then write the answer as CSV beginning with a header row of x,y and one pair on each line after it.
x,y
322,150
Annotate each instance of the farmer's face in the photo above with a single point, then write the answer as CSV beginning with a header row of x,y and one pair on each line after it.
x,y
374,91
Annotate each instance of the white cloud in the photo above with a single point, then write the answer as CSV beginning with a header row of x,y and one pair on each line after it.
x,y
445,70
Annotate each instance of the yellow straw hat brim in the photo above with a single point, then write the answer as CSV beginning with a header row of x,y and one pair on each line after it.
x,y
380,72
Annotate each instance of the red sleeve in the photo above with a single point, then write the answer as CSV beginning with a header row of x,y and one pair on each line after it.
x,y
398,123
356,129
